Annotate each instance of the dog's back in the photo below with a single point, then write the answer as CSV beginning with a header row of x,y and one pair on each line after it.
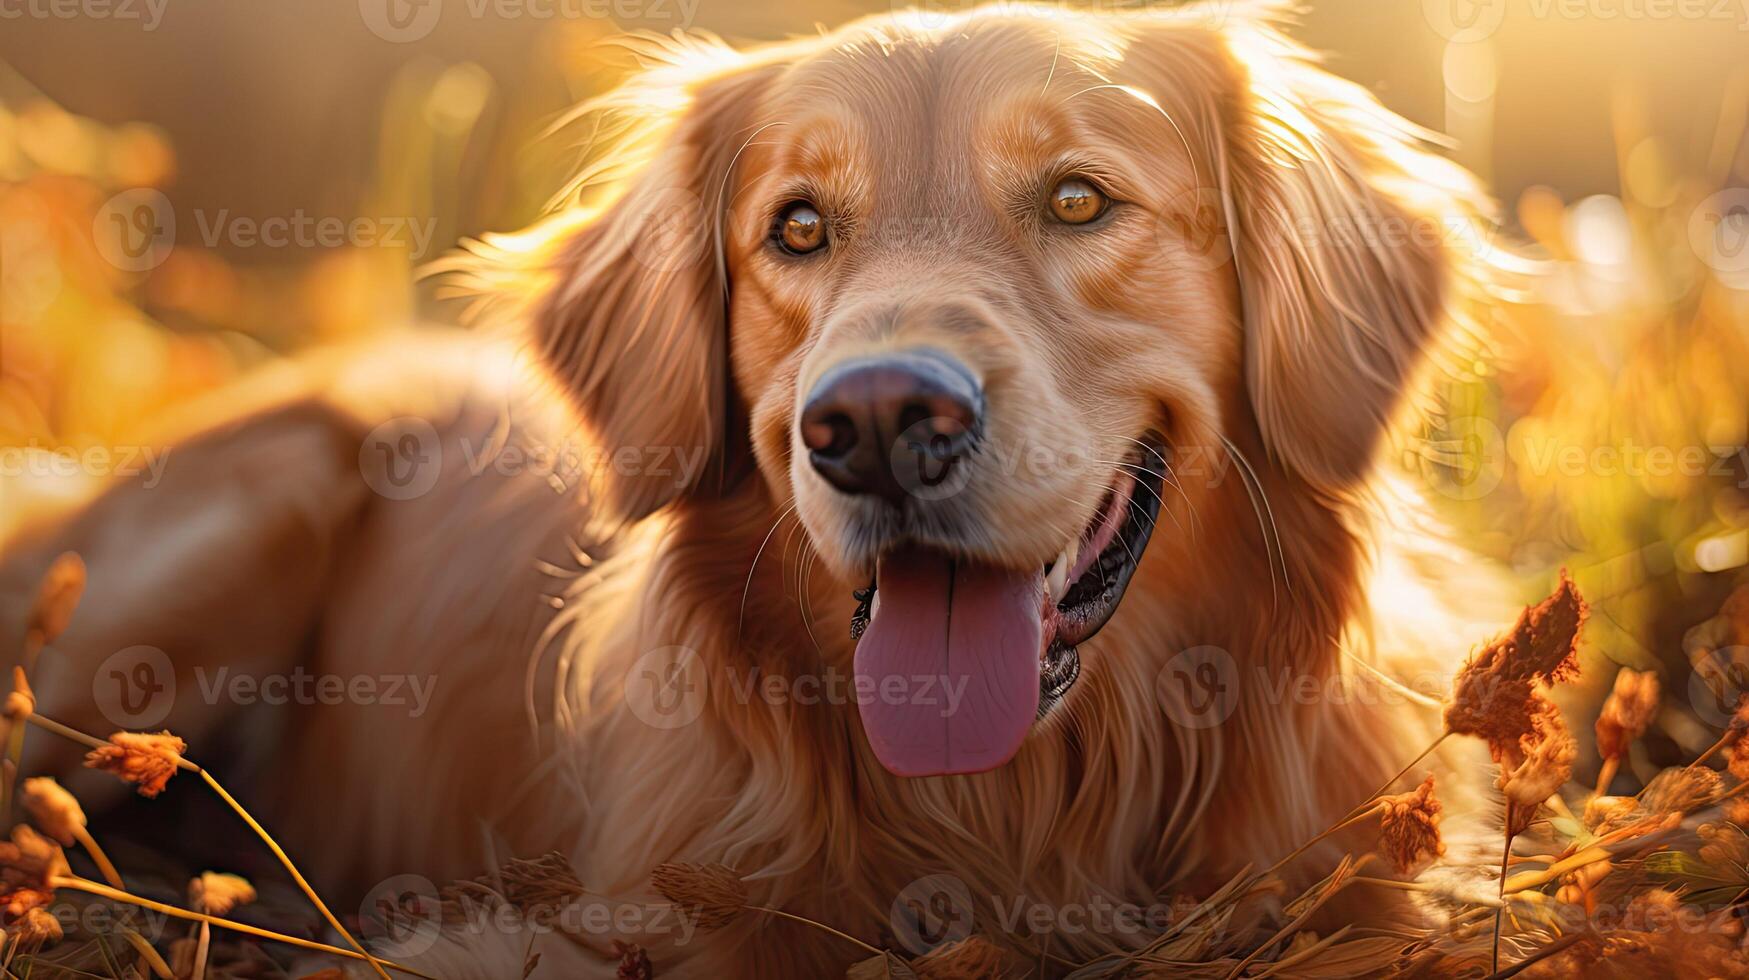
x,y
371,541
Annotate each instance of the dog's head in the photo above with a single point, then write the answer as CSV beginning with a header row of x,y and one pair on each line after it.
x,y
964,288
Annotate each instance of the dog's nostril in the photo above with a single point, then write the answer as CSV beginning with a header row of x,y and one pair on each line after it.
x,y
831,435
913,416
867,416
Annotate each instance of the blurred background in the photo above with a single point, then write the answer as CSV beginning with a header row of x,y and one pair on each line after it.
x,y
189,188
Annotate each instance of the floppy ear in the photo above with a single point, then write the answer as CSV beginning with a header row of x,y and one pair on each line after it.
x,y
633,326
1350,239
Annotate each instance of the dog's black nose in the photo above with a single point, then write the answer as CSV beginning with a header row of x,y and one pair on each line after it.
x,y
891,424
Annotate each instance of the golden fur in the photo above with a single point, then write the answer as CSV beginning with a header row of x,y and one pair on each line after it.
x,y
1290,256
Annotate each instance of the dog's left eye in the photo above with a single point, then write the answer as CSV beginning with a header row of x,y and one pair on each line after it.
x,y
1076,202
799,229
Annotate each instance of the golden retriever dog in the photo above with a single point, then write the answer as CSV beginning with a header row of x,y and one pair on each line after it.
x,y
937,450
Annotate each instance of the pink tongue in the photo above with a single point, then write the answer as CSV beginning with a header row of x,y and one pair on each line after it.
x,y
948,669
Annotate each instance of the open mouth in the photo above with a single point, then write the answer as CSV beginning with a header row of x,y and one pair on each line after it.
x,y
958,658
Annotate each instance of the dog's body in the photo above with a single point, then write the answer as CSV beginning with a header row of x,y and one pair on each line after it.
x,y
654,662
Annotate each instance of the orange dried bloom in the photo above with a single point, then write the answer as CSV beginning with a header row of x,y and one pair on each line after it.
x,y
219,894
971,958
1735,613
1737,757
1627,713
634,962
1681,789
36,928
1578,884
1544,643
1740,718
29,863
57,598
53,809
21,700
1542,761
1724,845
1494,708
146,760
1409,827
1606,813
1494,696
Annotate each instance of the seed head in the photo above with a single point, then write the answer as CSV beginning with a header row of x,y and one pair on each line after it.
x,y
146,760
1627,713
1542,761
971,958
219,894
36,928
1409,827
713,893
29,863
56,598
53,809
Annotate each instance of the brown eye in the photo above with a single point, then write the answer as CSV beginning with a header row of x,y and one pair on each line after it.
x,y
800,229
1076,202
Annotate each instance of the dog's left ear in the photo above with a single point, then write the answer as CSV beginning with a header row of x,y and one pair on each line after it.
x,y
1349,236
633,323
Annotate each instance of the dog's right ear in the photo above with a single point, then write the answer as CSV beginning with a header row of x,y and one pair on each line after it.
x,y
633,323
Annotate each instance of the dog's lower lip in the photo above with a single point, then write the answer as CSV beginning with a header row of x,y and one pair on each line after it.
x,y
1090,600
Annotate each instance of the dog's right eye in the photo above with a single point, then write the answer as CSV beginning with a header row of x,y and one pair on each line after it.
x,y
799,229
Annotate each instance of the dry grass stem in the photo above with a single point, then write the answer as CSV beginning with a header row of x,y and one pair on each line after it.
x,y
117,895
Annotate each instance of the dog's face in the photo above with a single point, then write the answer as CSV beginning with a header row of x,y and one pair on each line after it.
x,y
972,287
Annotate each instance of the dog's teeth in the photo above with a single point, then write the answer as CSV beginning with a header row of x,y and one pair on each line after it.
x,y
1057,582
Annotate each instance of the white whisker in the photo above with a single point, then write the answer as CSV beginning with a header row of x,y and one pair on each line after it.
x,y
747,589
1249,477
